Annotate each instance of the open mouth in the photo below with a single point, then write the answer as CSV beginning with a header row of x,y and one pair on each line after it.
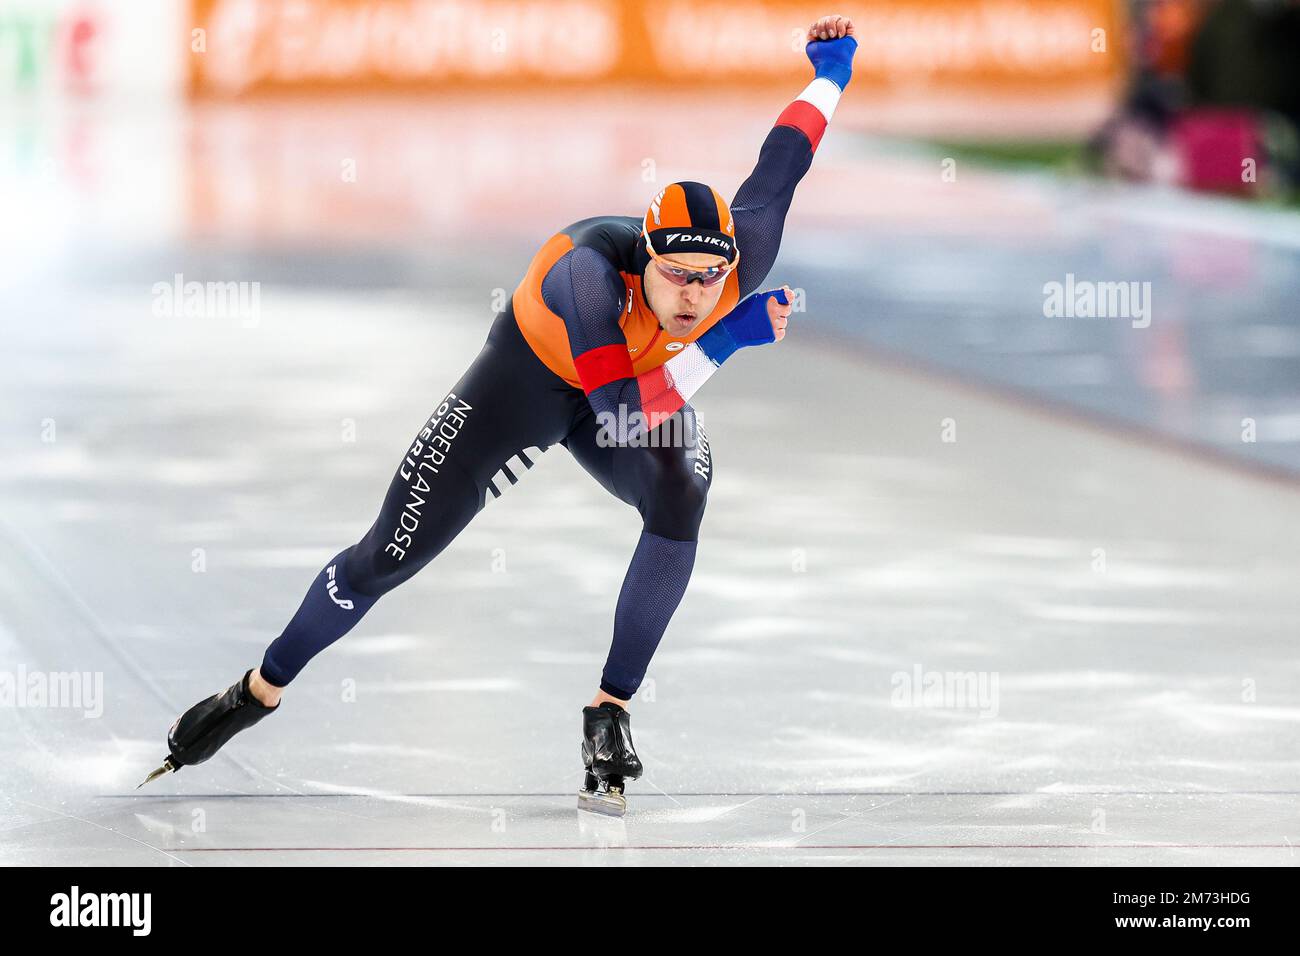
x,y
685,317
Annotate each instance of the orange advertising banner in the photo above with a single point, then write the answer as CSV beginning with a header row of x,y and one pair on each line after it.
x,y
249,47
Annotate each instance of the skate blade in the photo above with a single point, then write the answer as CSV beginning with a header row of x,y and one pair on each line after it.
x,y
167,767
606,804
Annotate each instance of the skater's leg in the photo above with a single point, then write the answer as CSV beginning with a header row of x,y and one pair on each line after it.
x,y
668,484
506,409
424,509
506,403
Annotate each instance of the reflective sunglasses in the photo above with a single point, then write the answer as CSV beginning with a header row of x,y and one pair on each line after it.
x,y
685,275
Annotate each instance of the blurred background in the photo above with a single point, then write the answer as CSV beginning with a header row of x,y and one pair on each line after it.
x,y
246,245
325,143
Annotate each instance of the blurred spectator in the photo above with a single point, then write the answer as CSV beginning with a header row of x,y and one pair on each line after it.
x,y
1214,101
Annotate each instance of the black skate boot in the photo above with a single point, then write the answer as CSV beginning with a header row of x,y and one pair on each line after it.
x,y
202,730
609,757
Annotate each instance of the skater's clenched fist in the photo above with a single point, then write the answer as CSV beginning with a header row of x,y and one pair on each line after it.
x,y
831,28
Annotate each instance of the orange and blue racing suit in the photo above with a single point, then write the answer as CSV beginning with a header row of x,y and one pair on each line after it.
x,y
577,358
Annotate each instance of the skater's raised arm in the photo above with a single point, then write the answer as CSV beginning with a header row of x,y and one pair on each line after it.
x,y
764,198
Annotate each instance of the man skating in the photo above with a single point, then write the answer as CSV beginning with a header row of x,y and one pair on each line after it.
x,y
616,324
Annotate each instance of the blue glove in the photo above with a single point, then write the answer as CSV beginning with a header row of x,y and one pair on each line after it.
x,y
747,324
833,59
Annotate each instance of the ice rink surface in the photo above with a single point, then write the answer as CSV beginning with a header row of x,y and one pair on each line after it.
x,y
1128,609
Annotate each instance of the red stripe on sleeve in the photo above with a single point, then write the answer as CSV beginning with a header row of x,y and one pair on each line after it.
x,y
600,366
806,118
659,398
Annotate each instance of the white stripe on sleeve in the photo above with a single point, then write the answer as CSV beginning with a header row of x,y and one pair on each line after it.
x,y
823,94
688,370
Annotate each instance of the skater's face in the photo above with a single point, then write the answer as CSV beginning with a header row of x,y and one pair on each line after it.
x,y
680,308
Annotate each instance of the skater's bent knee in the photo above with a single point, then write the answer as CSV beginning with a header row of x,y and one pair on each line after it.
x,y
373,572
674,506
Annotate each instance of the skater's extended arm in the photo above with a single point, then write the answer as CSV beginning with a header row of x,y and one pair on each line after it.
x,y
764,198
586,291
